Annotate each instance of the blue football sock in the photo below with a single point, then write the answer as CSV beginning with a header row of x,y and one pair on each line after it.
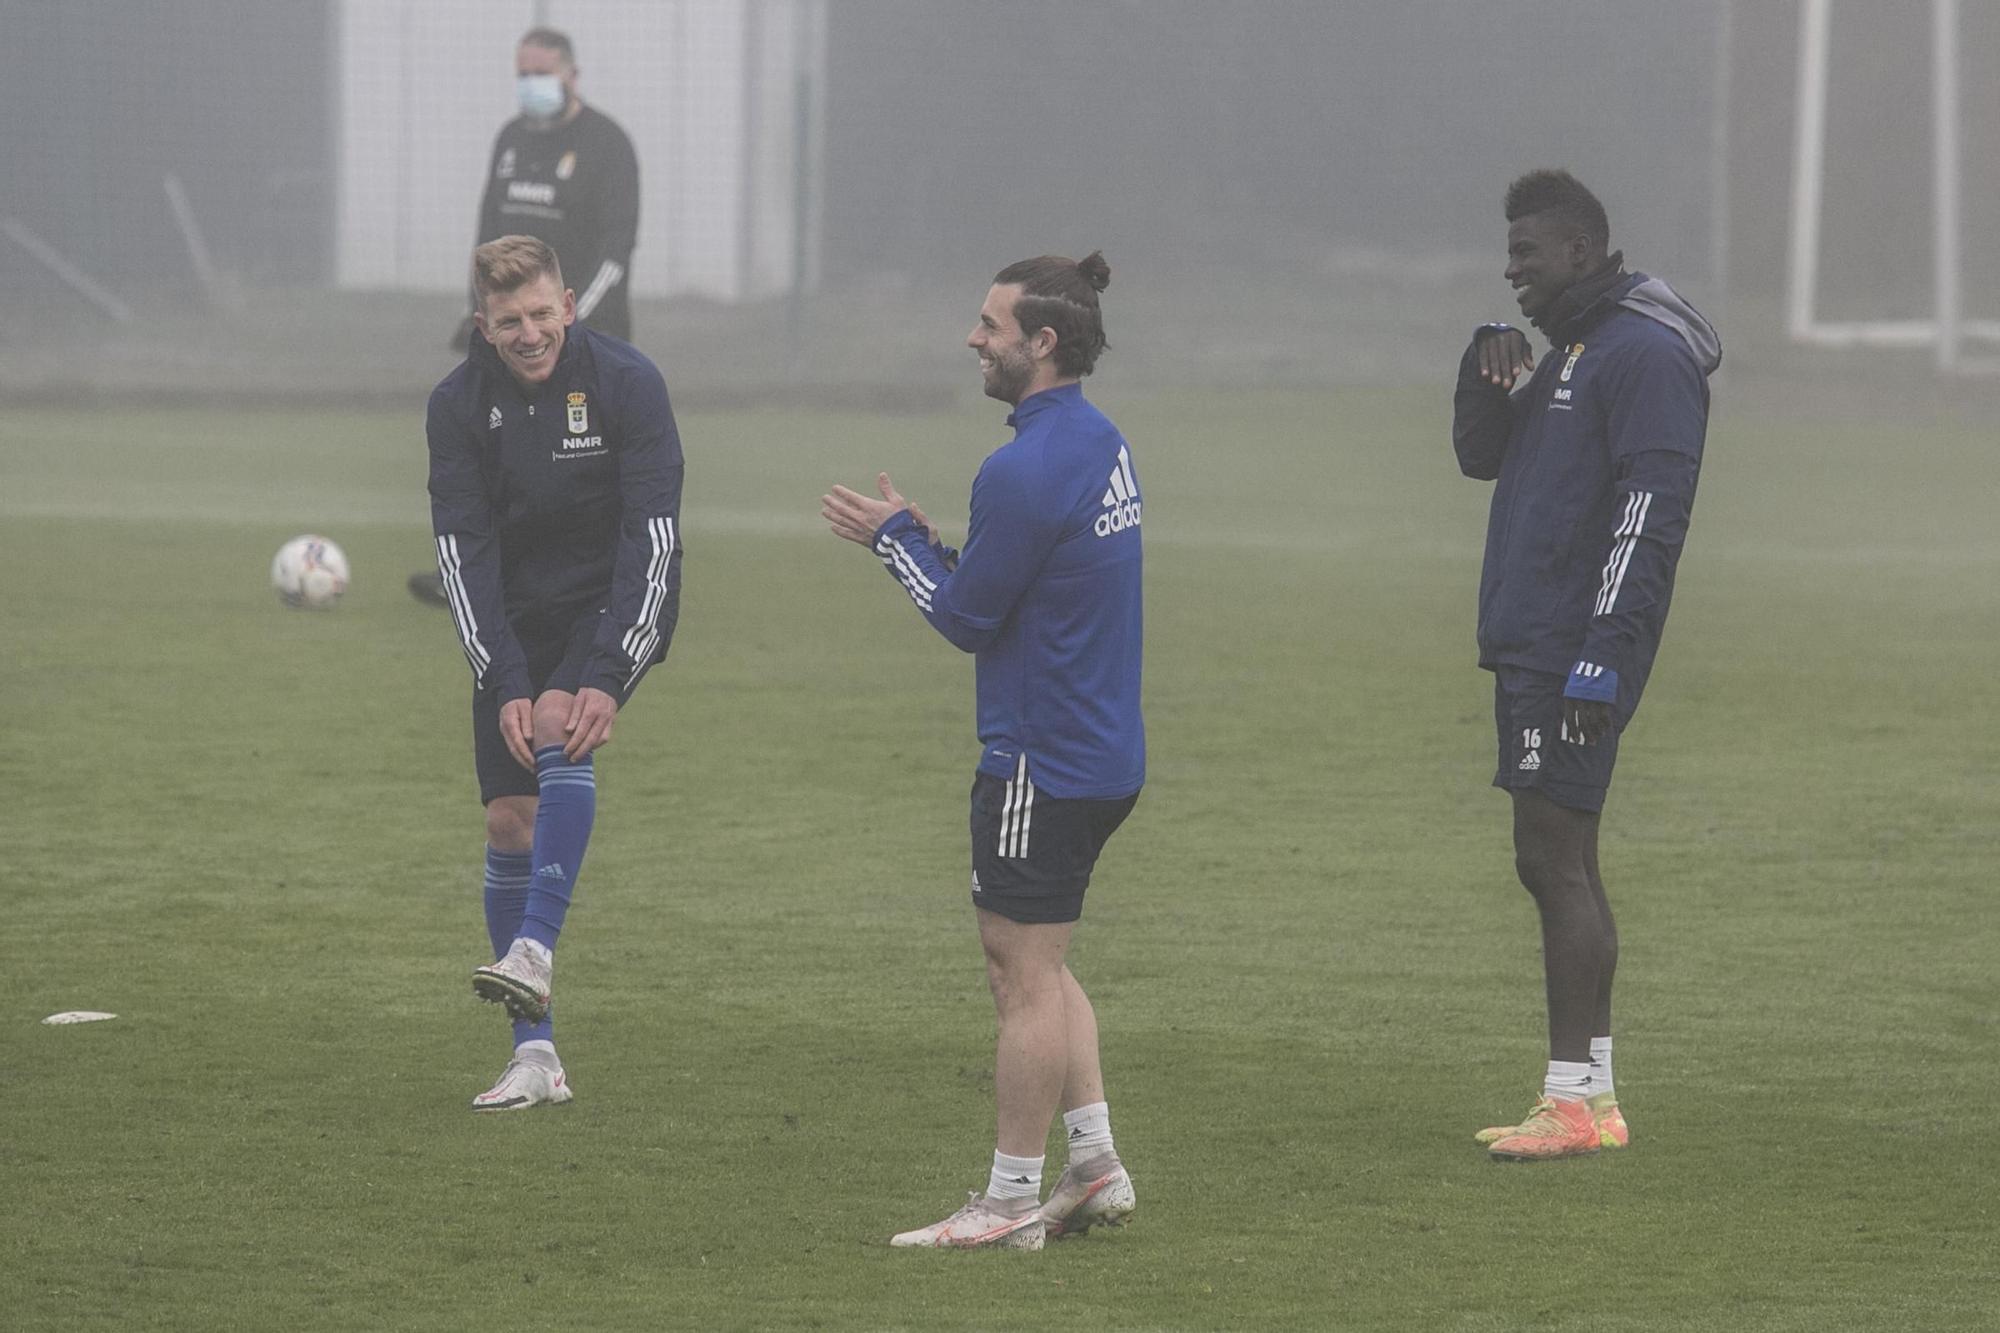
x,y
507,876
563,817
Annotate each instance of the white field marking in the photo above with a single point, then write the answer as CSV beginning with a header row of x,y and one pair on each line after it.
x,y
77,1016
254,509
234,508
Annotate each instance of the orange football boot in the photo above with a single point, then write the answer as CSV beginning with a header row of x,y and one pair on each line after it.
x,y
1612,1131
1553,1129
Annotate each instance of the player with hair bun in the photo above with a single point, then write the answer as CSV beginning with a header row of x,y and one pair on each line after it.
x,y
1046,596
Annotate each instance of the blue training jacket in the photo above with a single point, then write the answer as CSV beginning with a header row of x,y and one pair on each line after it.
x,y
1596,457
1047,596
549,504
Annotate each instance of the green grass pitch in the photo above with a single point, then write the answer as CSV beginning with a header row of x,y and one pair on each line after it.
x,y
252,833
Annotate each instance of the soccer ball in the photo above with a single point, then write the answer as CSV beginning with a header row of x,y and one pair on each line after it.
x,y
309,572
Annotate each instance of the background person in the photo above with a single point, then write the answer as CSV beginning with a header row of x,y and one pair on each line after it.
x,y
566,173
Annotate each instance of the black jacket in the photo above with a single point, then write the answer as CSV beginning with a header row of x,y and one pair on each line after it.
x,y
575,186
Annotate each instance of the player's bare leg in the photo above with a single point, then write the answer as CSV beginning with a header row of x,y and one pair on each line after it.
x,y
1553,845
1608,932
1083,1079
1612,1131
510,824
1024,968
1094,1189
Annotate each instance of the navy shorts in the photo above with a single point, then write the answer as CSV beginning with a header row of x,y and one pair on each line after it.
x,y
1032,854
1534,753
557,655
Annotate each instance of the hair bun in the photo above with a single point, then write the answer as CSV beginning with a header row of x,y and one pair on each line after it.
x,y
1094,270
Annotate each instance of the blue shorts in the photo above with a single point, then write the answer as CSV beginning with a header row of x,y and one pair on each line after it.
x,y
1534,755
1032,854
557,655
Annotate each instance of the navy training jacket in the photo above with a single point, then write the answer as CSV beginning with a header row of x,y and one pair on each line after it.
x,y
1596,458
551,503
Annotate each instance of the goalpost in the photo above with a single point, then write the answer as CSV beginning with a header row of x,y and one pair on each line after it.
x,y
1948,331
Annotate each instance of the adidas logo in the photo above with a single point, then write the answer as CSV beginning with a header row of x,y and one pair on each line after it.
x,y
1121,501
555,870
1531,762
493,419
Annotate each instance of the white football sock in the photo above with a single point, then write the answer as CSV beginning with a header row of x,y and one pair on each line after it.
x,y
1600,1065
1088,1129
1014,1178
538,1052
1567,1081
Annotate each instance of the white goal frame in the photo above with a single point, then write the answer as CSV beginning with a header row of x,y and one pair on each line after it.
x,y
1948,331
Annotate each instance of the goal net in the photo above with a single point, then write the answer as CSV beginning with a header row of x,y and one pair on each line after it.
x,y
1886,122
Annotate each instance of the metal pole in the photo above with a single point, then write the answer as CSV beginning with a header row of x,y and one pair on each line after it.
x,y
1808,160
197,244
1718,172
65,272
808,21
750,155
1944,180
795,308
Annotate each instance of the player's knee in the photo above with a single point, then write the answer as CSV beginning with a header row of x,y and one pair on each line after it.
x,y
551,716
1018,983
1531,867
998,983
510,823
1546,875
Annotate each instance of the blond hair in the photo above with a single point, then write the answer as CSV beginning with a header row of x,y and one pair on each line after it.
x,y
510,263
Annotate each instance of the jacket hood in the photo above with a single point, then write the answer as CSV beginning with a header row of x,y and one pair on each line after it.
x,y
1663,305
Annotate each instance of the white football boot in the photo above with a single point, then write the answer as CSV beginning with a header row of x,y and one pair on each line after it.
x,y
520,981
978,1224
1097,1195
527,1082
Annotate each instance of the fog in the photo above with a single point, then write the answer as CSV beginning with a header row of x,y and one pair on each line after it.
x,y
277,196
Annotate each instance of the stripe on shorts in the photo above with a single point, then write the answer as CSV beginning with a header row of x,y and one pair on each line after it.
x,y
1017,811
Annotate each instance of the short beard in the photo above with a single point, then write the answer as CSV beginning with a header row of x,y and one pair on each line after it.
x,y
1009,378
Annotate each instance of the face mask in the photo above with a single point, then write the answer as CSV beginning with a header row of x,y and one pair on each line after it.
x,y
541,96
